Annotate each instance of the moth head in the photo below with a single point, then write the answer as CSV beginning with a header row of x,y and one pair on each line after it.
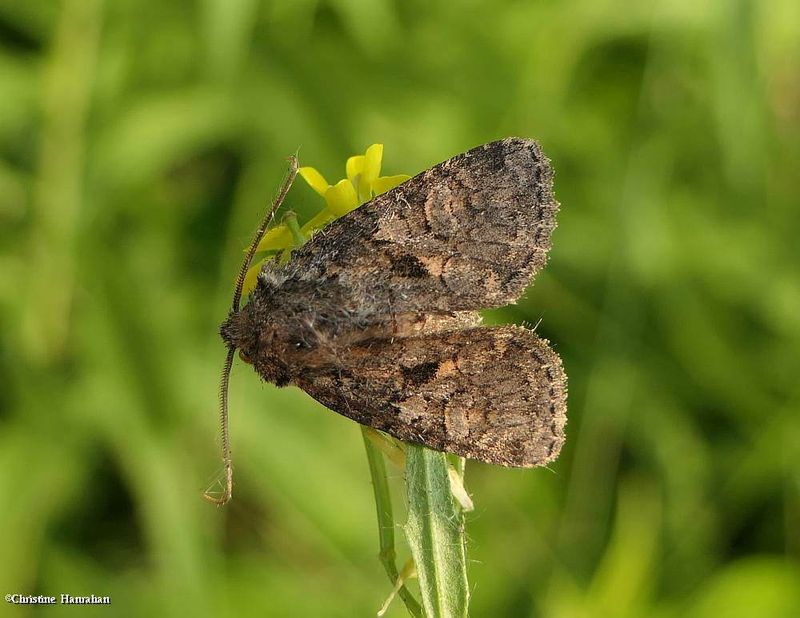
x,y
260,341
238,331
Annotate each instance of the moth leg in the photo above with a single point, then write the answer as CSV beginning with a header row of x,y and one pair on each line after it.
x,y
458,489
409,571
393,449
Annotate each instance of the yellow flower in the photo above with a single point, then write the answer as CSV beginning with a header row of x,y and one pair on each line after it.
x,y
363,182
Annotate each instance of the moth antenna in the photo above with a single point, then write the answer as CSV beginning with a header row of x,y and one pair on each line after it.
x,y
262,229
237,297
226,446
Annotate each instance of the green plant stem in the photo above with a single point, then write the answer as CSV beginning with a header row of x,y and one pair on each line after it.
x,y
386,525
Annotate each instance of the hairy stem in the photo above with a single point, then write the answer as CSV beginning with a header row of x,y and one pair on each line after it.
x,y
435,532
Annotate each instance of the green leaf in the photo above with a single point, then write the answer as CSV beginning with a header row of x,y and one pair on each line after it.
x,y
435,534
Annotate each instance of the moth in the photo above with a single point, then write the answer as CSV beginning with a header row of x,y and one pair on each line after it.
x,y
376,316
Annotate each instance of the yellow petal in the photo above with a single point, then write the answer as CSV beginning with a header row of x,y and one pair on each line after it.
x,y
384,183
278,237
372,161
314,179
355,165
251,278
317,222
372,169
341,198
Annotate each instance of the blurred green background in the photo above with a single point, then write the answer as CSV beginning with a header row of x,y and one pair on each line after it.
x,y
139,143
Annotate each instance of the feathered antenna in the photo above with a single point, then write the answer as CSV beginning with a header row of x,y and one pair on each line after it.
x,y
237,297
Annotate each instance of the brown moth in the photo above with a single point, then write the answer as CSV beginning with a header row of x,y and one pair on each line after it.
x,y
376,316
